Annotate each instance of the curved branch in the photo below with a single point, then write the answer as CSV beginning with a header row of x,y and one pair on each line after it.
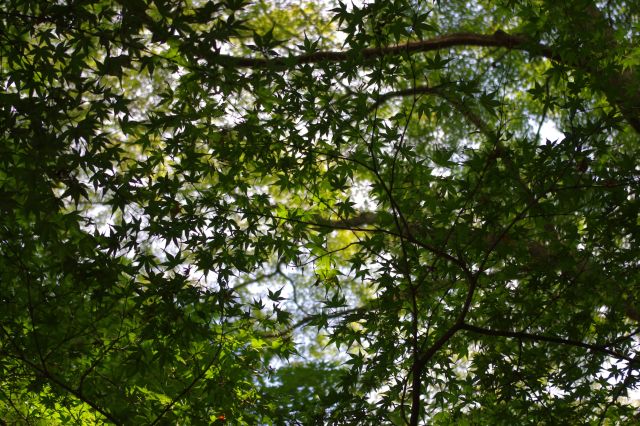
x,y
621,87
497,39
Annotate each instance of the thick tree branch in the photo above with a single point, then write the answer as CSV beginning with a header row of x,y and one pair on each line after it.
x,y
621,88
498,39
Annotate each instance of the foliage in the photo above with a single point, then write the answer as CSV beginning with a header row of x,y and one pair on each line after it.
x,y
303,213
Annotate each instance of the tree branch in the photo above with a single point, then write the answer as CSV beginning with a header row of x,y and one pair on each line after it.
x,y
550,339
362,218
188,388
621,87
57,381
423,359
418,90
498,39
306,320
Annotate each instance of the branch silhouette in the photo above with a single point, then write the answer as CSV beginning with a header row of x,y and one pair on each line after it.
x,y
550,339
497,39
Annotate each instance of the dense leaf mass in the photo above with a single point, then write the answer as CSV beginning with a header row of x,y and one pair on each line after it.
x,y
291,212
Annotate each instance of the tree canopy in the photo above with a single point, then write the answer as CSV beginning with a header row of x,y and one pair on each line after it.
x,y
295,212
